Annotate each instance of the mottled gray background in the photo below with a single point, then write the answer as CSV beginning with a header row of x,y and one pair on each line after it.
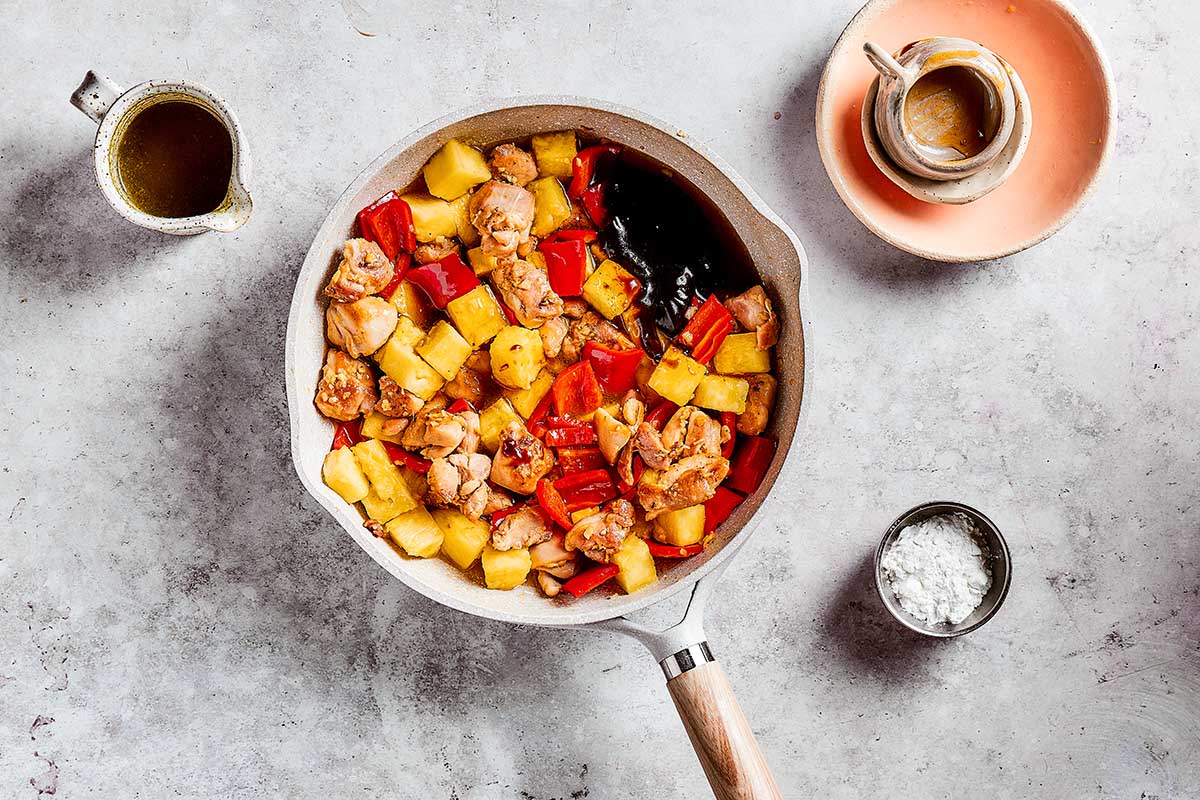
x,y
178,619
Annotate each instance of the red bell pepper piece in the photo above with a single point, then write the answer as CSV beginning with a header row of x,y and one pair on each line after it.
x,y
567,422
553,504
705,331
658,416
750,462
566,266
388,223
460,405
401,263
660,550
444,280
586,489
718,508
627,490
569,437
576,390
537,419
615,369
583,167
347,434
593,203
573,234
580,459
402,458
584,582
729,420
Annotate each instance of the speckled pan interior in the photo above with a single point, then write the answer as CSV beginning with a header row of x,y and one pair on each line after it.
x,y
777,254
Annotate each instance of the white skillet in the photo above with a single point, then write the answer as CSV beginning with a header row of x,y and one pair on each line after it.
x,y
718,730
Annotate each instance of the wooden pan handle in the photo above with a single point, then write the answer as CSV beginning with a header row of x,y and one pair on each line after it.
x,y
721,736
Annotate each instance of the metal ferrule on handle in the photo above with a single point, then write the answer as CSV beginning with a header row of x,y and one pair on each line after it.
x,y
686,659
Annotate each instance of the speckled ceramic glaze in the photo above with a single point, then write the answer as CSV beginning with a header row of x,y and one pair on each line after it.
x,y
775,250
113,107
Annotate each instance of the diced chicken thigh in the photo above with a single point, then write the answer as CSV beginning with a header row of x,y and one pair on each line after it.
x,y
346,389
503,215
360,328
364,270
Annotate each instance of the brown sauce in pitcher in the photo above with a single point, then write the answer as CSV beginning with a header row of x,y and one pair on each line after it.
x,y
174,159
947,111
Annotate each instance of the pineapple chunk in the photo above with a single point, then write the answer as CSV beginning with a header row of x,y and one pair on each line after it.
x,y
467,233
739,355
554,153
505,569
610,289
464,537
681,527
416,532
386,481
407,334
526,400
551,208
372,428
676,376
431,217
480,261
722,394
342,474
517,357
444,349
384,509
584,513
405,367
410,302
477,315
493,420
455,169
636,565
538,259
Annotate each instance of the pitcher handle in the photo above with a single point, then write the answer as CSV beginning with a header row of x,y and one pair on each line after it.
x,y
887,65
96,95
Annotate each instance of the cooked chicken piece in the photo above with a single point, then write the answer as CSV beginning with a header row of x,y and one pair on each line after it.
x,y
600,535
520,460
688,482
574,307
579,218
512,164
625,462
436,250
503,215
522,528
689,432
633,409
364,270
474,379
376,528
460,480
360,328
346,389
759,401
549,585
396,401
611,434
497,501
434,431
651,448
752,309
591,327
470,442
553,333
553,557
526,247
526,290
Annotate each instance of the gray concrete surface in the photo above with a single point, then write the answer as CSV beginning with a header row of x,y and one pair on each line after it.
x,y
177,618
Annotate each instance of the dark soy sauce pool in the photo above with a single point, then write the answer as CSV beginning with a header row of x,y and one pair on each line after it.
x,y
174,159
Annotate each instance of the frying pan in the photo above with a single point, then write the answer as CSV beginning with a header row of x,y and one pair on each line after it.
x,y
718,730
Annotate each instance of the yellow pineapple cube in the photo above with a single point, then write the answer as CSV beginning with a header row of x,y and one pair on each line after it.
x,y
720,393
384,509
406,334
410,302
405,367
636,565
455,169
554,153
416,532
373,428
739,355
517,357
480,262
493,420
584,513
387,483
505,569
467,234
444,349
431,217
342,474
477,315
537,258
464,537
676,376
551,207
526,400
610,289
681,527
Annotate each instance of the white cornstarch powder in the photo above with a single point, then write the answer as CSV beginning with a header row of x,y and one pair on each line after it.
x,y
937,569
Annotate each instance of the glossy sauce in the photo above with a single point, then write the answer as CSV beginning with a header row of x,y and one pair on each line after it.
x,y
174,159
947,112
